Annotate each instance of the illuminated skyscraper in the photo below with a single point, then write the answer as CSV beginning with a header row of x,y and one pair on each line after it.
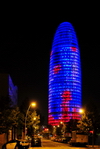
x,y
8,89
64,76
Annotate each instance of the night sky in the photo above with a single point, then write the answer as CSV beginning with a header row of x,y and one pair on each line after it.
x,y
26,41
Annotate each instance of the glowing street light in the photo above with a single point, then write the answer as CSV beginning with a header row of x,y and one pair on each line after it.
x,y
33,104
81,111
34,118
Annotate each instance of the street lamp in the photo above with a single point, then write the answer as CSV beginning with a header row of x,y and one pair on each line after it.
x,y
81,111
34,118
33,104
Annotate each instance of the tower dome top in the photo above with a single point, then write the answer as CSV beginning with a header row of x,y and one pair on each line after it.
x,y
65,35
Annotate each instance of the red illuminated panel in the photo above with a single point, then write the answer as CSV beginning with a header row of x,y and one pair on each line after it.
x,y
73,49
74,109
56,69
66,96
51,119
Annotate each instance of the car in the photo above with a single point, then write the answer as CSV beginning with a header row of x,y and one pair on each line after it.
x,y
23,143
16,144
52,138
56,139
10,144
36,142
64,139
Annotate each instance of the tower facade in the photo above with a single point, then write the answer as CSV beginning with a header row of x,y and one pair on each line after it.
x,y
8,89
64,76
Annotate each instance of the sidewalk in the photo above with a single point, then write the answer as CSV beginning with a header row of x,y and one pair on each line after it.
x,y
93,147
88,147
0,146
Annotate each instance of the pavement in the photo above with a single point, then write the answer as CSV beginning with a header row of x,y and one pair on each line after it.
x,y
93,146
0,146
64,147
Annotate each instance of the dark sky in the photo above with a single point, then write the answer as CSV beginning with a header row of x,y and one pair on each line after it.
x,y
26,40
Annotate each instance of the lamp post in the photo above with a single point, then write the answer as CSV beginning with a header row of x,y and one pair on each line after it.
x,y
33,104
81,112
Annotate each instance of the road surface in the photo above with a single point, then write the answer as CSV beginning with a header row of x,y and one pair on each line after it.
x,y
48,144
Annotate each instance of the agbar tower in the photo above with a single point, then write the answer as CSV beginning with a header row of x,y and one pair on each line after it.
x,y
64,76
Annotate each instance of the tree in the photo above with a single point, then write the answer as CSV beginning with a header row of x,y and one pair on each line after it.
x,y
63,128
8,115
54,130
71,125
24,106
32,122
90,120
59,129
50,128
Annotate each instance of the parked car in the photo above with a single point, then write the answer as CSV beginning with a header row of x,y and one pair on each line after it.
x,y
57,138
16,144
23,144
52,138
64,139
10,144
36,141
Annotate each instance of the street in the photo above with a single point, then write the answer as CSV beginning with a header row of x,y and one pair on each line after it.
x,y
48,144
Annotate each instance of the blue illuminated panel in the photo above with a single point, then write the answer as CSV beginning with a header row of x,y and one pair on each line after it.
x,y
12,91
64,76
